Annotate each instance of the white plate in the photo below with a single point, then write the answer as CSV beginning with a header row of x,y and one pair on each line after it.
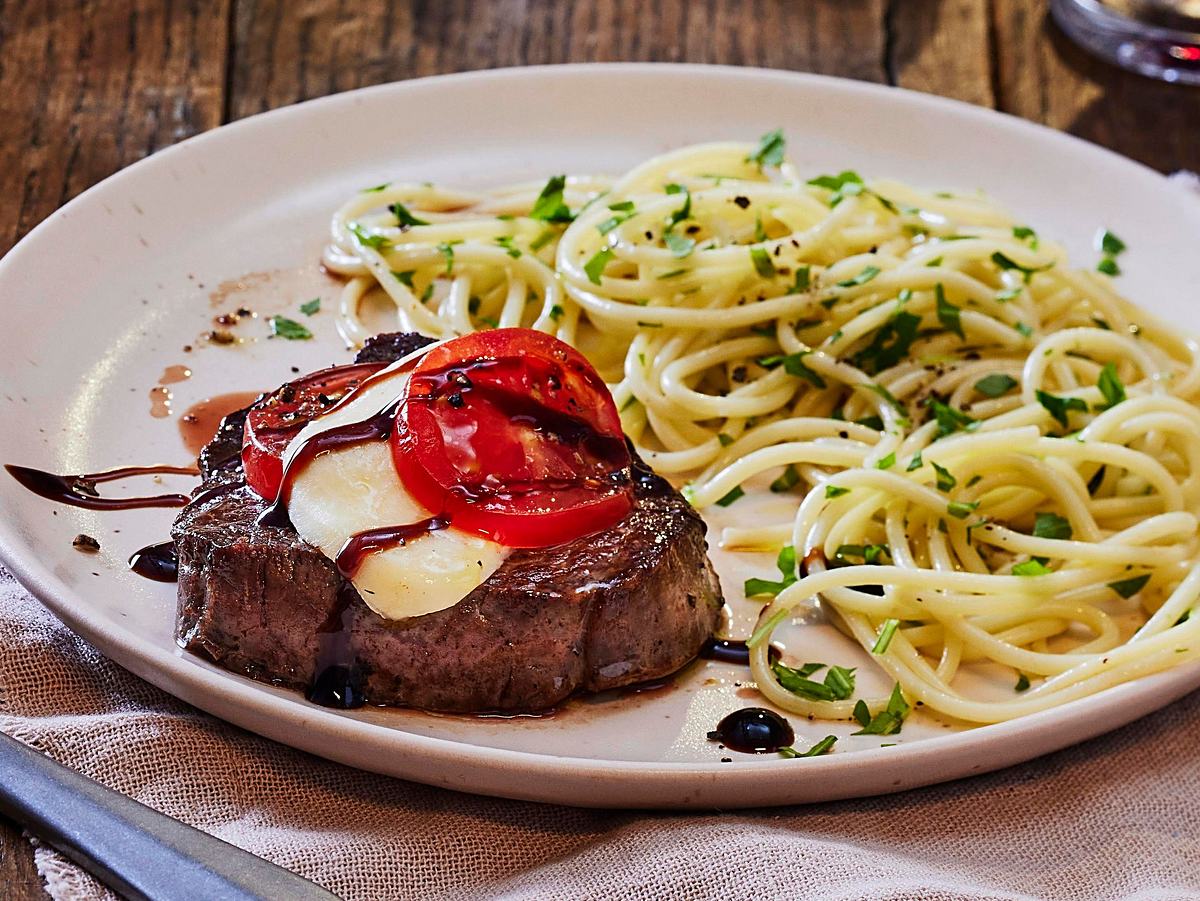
x,y
101,297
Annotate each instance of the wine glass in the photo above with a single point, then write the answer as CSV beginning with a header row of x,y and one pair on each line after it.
x,y
1159,38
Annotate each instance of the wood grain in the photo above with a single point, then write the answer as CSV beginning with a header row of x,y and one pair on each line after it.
x,y
1042,76
89,86
282,56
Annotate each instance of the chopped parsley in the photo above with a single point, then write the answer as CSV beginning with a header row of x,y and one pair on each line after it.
x,y
793,364
832,491
1034,567
1051,525
595,266
1110,386
787,481
446,249
685,211
803,279
837,686
961,509
1060,407
1006,262
996,384
1024,329
1109,244
888,721
869,553
1025,233
1010,294
375,242
845,184
282,327
821,747
915,463
770,149
1127,588
945,480
549,206
786,564
890,399
1108,266
890,344
861,279
725,440
762,262
403,216
511,249
1022,683
951,420
310,306
680,245
948,314
405,278
556,312
731,497
376,189
887,462
885,636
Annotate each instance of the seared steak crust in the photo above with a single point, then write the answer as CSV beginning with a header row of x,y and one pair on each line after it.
x,y
632,603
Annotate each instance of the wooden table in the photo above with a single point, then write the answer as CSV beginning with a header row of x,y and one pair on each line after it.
x,y
90,86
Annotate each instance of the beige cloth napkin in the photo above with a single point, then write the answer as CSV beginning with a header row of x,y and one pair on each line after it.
x,y
1117,817
1114,818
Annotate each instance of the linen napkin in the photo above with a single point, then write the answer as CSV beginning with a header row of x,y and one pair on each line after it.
x,y
1114,818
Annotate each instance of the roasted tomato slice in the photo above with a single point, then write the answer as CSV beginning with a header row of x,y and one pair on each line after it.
x,y
515,436
276,419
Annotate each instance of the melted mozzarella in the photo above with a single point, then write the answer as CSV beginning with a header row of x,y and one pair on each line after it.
x,y
352,489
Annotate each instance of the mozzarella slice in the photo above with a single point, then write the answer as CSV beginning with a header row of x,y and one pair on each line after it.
x,y
348,490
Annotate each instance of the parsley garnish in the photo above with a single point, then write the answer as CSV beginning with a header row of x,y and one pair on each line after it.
x,y
838,684
404,278
310,306
556,312
770,149
1034,567
506,242
945,480
1051,525
685,211
786,563
890,399
549,207
595,266
376,189
869,553
861,279
996,384
845,184
950,420
821,747
948,314
887,462
1109,244
1127,588
725,440
762,262
1024,329
890,344
282,327
1006,262
787,481
803,279
961,509
832,491
403,216
1023,232
1022,682
1059,407
1108,266
446,249
885,636
1110,386
915,463
375,242
888,721
679,245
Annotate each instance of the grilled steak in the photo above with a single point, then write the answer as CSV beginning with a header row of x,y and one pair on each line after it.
x,y
632,603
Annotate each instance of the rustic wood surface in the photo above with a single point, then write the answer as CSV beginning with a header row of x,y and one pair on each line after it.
x,y
90,86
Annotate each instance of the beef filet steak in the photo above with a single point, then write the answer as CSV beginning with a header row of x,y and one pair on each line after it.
x,y
632,603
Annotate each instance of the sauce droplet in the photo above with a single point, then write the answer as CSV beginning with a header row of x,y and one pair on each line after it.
x,y
731,650
156,561
754,730
173,374
160,401
199,423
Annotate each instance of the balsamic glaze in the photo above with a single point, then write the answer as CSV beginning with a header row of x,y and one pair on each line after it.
x,y
338,679
80,490
362,544
754,730
156,561
376,427
732,650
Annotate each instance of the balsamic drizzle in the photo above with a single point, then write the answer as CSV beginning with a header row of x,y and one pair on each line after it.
x,y
80,490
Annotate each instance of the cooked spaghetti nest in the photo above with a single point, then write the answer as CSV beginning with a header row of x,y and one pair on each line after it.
x,y
995,458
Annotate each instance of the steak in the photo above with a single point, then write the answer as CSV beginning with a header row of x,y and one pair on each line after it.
x,y
629,604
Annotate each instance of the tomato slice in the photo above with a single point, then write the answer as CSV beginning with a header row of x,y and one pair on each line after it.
x,y
276,419
515,436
